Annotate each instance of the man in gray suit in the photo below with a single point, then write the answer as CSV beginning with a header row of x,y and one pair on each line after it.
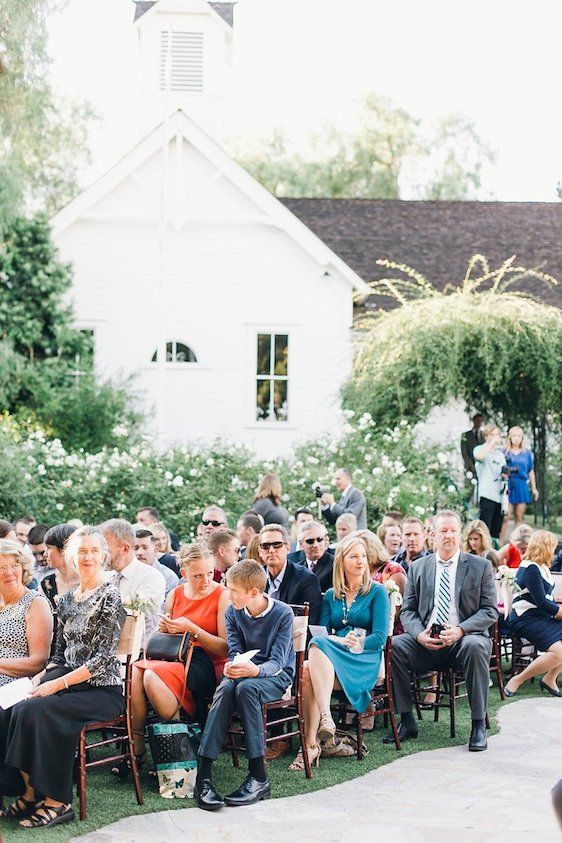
x,y
455,591
351,500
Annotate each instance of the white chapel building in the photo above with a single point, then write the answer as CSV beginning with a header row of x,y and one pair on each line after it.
x,y
233,316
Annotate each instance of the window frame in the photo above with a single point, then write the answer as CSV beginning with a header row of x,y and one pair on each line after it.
x,y
179,364
271,422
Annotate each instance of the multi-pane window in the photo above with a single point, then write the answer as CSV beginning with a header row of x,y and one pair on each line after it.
x,y
272,377
176,352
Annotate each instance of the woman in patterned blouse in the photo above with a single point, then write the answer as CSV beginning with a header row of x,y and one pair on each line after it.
x,y
81,683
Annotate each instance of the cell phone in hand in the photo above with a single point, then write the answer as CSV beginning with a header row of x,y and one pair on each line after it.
x,y
436,630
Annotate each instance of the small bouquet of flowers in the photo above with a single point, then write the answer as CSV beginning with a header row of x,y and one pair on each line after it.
x,y
139,603
507,588
506,578
393,592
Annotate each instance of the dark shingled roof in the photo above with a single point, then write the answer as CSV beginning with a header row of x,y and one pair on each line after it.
x,y
439,238
225,10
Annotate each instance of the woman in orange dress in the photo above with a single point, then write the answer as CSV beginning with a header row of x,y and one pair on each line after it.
x,y
197,606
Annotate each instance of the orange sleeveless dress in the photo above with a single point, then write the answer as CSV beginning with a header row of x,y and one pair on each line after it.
x,y
204,613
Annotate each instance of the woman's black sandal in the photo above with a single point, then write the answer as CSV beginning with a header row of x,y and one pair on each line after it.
x,y
49,816
19,809
122,770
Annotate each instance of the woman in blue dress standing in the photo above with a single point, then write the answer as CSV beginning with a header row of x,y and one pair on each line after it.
x,y
521,463
355,602
536,616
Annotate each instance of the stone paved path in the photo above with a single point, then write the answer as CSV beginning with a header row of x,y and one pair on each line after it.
x,y
443,796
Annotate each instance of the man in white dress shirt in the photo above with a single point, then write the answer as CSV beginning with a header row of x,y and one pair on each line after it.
x,y
145,551
132,575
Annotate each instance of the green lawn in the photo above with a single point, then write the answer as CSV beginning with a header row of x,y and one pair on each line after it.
x,y
110,799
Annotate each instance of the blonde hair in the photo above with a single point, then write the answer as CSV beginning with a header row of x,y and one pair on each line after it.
x,y
347,518
10,548
377,554
270,487
342,549
252,549
248,574
160,528
509,443
522,532
189,553
541,547
482,530
70,546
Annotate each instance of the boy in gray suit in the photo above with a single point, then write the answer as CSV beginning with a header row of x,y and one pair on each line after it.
x,y
449,605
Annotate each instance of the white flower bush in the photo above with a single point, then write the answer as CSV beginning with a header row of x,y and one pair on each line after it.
x,y
38,476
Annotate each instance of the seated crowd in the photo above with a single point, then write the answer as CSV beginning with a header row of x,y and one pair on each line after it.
x,y
64,592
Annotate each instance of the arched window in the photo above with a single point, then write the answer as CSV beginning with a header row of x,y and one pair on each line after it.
x,y
176,352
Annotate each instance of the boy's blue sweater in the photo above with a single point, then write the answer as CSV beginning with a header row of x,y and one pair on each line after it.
x,y
271,633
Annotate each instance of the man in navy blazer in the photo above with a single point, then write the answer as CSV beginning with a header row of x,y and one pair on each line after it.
x,y
286,581
316,556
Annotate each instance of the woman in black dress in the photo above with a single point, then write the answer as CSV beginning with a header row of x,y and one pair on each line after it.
x,y
82,684
536,616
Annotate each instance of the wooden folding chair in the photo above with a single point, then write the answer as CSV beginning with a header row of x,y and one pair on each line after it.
x,y
289,708
128,649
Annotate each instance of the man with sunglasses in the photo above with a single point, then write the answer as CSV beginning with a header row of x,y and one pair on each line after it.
x,y
289,583
214,518
315,554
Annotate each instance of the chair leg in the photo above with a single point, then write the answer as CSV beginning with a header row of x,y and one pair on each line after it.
x,y
453,703
487,720
82,774
359,737
438,695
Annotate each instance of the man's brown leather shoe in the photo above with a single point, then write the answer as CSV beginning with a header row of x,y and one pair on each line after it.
x,y
277,750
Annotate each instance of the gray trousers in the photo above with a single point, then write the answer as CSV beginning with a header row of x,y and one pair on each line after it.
x,y
246,696
471,655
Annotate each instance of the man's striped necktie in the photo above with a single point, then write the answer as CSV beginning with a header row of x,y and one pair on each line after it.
x,y
444,596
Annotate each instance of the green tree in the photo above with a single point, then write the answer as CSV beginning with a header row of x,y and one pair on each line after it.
x,y
498,350
389,148
40,350
43,139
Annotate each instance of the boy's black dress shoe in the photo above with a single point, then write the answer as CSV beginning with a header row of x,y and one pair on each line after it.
x,y
478,740
249,792
405,733
207,797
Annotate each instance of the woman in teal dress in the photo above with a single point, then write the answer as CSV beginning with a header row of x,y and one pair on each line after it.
x,y
355,601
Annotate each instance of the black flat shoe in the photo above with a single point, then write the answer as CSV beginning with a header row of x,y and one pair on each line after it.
x,y
249,792
208,799
46,815
478,741
405,733
549,690
20,809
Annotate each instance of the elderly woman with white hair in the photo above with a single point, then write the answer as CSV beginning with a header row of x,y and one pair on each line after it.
x,y
81,683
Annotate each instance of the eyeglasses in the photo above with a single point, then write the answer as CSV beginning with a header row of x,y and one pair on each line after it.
x,y
12,567
206,522
274,545
312,541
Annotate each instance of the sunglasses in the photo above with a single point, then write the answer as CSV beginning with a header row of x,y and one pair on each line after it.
x,y
274,545
312,541
206,522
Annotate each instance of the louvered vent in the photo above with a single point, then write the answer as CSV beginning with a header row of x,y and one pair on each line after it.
x,y
181,61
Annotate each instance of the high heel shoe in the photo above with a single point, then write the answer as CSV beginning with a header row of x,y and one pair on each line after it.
x,y
549,690
507,692
326,727
313,757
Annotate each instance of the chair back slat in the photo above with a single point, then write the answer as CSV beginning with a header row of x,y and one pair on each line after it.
x,y
130,640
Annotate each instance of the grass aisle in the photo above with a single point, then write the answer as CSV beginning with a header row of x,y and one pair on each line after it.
x,y
110,800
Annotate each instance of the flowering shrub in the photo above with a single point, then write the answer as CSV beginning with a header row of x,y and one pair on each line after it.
x,y
39,476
